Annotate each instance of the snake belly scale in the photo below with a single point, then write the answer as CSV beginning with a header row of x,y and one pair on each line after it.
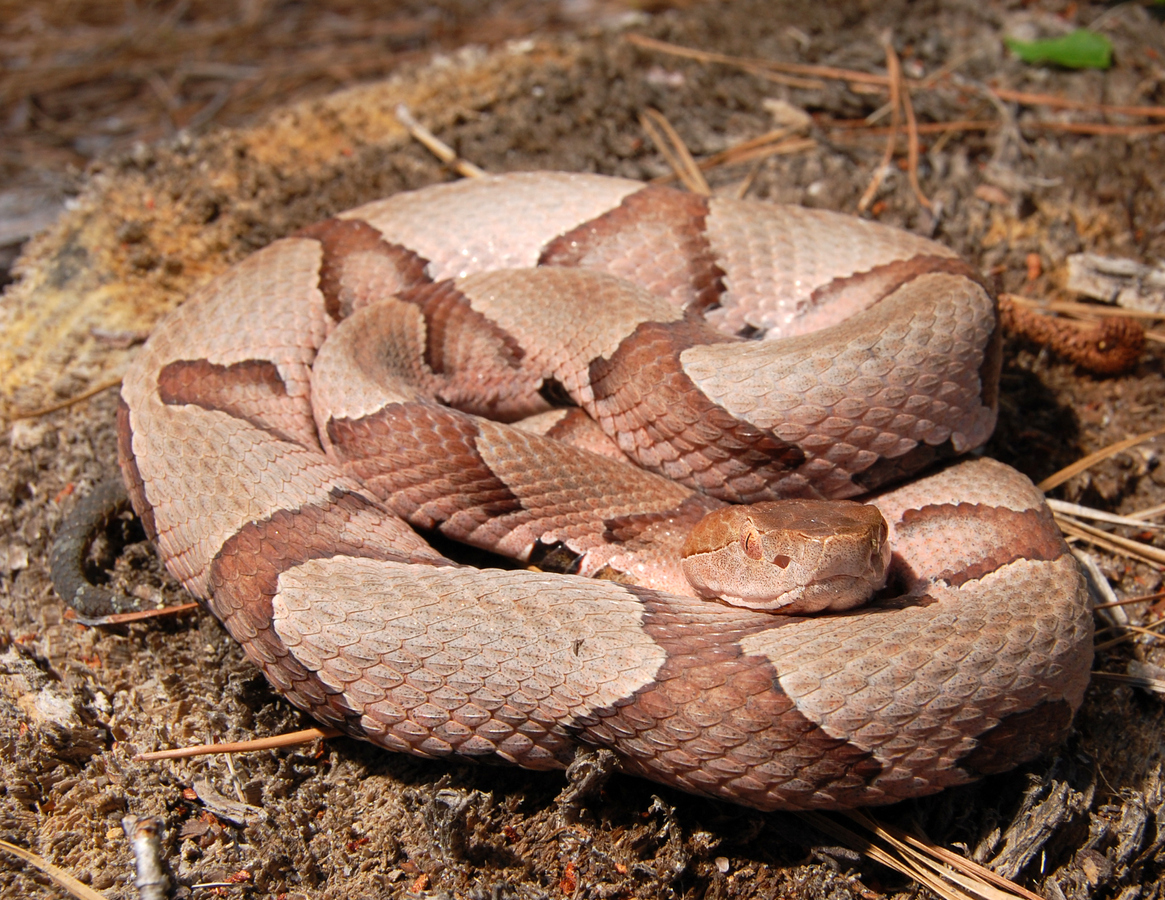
x,y
284,431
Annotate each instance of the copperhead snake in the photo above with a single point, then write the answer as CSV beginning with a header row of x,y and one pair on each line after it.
x,y
282,429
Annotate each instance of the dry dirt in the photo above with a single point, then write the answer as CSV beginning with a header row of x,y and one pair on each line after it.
x,y
341,819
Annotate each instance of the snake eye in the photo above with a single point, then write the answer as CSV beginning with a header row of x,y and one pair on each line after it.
x,y
750,543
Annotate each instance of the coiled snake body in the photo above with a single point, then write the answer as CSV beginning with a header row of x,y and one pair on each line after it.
x,y
280,428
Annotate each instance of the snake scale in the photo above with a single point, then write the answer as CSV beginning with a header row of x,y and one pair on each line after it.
x,y
287,432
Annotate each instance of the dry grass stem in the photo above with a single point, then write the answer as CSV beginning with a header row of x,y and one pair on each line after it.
x,y
896,84
290,739
669,143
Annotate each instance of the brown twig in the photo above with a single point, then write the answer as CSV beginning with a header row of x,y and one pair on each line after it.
x,y
1107,346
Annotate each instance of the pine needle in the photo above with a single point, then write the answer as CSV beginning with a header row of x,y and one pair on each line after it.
x,y
436,146
57,874
669,143
949,875
1093,458
290,739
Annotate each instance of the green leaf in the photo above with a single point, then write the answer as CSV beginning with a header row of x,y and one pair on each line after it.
x,y
1082,49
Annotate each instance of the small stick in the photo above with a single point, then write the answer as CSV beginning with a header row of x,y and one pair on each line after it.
x,y
269,743
436,146
145,838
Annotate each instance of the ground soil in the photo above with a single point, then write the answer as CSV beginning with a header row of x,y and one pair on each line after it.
x,y
342,819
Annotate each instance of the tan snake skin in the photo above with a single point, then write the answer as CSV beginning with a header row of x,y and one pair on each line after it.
x,y
282,426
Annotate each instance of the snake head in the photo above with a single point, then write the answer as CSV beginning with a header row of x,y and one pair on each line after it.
x,y
789,556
